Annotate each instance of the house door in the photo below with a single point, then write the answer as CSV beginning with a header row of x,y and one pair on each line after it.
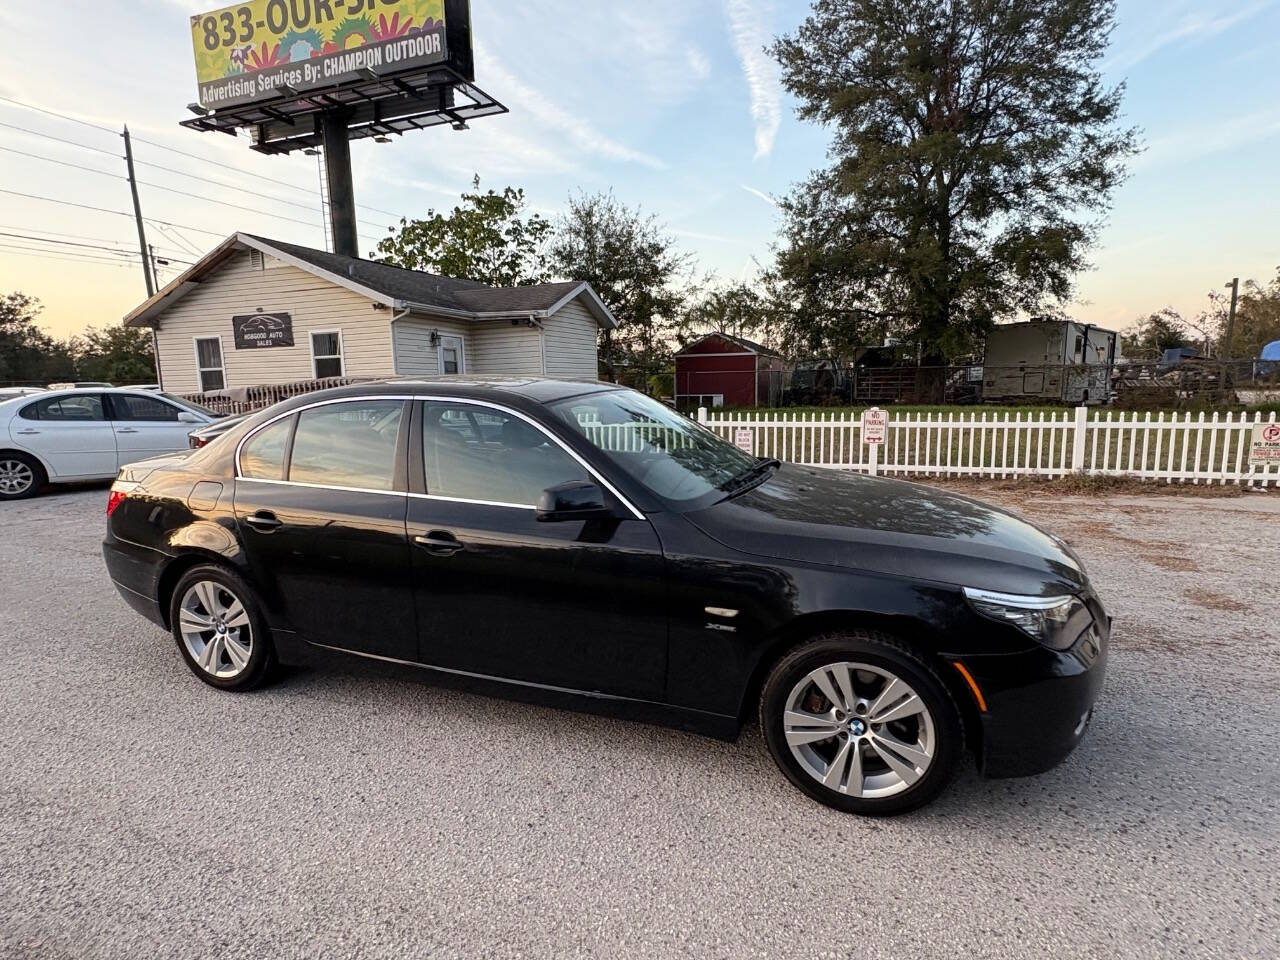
x,y
451,359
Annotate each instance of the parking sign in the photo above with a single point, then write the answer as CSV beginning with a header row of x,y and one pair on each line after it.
x,y
875,426
1265,449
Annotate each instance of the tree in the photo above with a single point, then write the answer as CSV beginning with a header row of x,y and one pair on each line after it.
x,y
487,238
631,262
116,354
1155,333
27,353
975,146
738,309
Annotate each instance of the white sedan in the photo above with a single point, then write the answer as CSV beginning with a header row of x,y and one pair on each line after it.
x,y
63,436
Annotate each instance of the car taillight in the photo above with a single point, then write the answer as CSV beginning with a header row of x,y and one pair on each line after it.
x,y
120,491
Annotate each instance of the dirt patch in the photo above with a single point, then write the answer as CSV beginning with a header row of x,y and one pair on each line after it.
x,y
1214,601
1076,486
1170,562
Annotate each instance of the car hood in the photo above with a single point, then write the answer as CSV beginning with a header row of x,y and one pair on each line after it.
x,y
892,527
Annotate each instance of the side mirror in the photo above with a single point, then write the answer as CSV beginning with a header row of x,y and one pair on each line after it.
x,y
575,500
186,416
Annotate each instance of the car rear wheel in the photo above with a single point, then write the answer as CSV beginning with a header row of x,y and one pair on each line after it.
x,y
861,723
220,630
20,476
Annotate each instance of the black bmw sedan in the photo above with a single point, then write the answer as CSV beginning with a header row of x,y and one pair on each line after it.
x,y
581,545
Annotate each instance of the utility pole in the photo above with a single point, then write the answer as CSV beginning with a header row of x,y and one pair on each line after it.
x,y
137,213
1234,287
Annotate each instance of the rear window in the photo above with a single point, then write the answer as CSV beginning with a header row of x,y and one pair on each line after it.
x,y
262,456
348,445
81,406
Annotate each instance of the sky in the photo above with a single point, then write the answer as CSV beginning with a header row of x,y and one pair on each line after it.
x,y
672,104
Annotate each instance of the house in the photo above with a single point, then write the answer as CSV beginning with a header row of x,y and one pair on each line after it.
x,y
721,370
257,311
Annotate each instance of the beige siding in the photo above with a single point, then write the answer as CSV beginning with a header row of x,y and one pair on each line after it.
x,y
503,348
571,342
315,305
416,357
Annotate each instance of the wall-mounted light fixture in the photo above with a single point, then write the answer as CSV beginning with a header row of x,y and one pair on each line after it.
x,y
435,338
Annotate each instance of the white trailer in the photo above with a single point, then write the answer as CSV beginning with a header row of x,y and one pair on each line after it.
x,y
1049,360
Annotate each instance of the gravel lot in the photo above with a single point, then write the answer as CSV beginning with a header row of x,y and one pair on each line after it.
x,y
143,814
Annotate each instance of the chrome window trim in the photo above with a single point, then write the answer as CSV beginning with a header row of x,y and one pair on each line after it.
x,y
425,398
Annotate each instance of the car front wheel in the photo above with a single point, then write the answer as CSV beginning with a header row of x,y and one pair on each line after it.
x,y
861,723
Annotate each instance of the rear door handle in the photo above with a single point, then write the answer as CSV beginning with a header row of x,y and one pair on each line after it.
x,y
126,430
264,521
442,543
28,433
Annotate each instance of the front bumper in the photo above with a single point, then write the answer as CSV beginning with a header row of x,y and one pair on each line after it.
x,y
1039,702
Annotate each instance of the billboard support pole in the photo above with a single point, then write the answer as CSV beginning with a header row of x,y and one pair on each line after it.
x,y
342,199
137,214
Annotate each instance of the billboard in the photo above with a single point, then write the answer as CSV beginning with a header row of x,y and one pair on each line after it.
x,y
249,51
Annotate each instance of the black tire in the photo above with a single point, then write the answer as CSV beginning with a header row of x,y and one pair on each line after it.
x,y
14,460
261,665
885,653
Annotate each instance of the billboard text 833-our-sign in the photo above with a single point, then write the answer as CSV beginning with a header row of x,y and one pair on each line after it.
x,y
249,50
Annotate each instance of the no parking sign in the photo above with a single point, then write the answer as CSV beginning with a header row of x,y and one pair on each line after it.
x,y
1265,449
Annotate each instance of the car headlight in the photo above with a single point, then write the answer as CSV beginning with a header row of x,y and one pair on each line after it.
x,y
1044,619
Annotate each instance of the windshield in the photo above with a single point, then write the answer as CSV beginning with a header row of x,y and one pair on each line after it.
x,y
672,456
194,407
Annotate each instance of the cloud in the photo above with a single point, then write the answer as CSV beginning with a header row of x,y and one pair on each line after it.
x,y
533,102
1219,136
1196,25
761,194
699,65
749,32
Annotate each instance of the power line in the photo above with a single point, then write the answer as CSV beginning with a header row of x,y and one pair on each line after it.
x,y
156,186
183,153
49,136
90,246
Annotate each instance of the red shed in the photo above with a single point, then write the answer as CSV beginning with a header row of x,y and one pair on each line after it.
x,y
722,370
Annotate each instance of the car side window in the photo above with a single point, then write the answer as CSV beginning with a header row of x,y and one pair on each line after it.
x,y
128,406
348,444
477,453
80,406
262,456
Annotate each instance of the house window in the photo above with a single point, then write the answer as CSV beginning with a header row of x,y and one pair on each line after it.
x,y
209,364
451,355
326,354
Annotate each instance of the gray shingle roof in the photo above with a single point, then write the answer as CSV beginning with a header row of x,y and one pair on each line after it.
x,y
430,289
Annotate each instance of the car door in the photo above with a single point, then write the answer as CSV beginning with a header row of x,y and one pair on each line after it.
x,y
70,432
147,426
320,506
579,605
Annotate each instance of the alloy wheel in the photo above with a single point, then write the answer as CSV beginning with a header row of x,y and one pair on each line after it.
x,y
859,730
16,477
215,629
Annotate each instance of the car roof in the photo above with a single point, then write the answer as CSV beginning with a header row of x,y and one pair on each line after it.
x,y
539,390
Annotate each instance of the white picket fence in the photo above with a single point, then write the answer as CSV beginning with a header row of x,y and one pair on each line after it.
x,y
1170,447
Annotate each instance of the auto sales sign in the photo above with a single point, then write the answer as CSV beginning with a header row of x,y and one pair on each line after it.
x,y
252,50
1265,448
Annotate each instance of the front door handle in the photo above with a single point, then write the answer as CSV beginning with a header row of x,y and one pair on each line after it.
x,y
264,521
126,430
28,433
442,543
